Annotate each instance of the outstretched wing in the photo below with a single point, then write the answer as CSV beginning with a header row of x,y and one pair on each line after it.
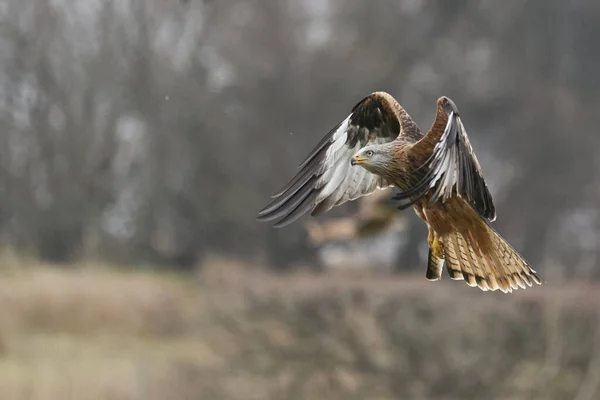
x,y
326,178
452,168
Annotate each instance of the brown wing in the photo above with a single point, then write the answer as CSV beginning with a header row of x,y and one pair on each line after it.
x,y
450,165
326,178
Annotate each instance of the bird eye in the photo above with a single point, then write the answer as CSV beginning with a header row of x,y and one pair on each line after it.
x,y
369,153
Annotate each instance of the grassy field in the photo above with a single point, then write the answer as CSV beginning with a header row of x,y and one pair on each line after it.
x,y
236,332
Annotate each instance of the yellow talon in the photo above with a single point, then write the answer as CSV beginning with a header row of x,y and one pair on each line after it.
x,y
437,247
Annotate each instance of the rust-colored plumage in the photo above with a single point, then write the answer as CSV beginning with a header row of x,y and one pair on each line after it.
x,y
437,174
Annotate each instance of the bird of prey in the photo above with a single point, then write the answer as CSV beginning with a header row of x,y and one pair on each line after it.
x,y
379,145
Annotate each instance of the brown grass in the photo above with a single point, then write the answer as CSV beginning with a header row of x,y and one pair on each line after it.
x,y
237,332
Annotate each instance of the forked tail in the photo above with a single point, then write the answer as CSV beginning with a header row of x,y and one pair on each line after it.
x,y
489,264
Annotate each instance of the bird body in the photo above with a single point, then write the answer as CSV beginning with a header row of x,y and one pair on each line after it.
x,y
437,174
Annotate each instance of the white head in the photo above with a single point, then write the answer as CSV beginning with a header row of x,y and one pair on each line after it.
x,y
375,158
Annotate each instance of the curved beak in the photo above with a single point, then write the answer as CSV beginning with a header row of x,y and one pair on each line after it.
x,y
356,159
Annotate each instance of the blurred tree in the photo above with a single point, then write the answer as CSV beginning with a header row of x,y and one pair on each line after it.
x,y
148,131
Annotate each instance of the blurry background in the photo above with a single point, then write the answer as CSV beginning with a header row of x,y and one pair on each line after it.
x,y
140,137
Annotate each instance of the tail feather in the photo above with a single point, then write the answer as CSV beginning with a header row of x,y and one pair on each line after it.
x,y
500,267
434,267
457,258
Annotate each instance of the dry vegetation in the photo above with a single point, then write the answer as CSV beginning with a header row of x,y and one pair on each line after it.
x,y
236,332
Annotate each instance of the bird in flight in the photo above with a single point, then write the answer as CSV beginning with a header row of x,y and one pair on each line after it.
x,y
379,145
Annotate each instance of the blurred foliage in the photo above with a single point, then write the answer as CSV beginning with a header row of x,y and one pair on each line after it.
x,y
151,131
240,333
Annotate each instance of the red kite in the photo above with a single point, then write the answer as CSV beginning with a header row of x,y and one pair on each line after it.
x,y
379,145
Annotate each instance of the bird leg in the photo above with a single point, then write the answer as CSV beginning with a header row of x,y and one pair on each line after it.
x,y
435,244
430,237
438,247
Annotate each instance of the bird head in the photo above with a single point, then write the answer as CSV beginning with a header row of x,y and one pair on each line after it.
x,y
374,158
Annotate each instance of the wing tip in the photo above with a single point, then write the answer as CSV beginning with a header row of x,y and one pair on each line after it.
x,y
448,105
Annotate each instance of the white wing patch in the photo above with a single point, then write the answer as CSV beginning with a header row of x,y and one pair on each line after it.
x,y
340,178
326,178
447,171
